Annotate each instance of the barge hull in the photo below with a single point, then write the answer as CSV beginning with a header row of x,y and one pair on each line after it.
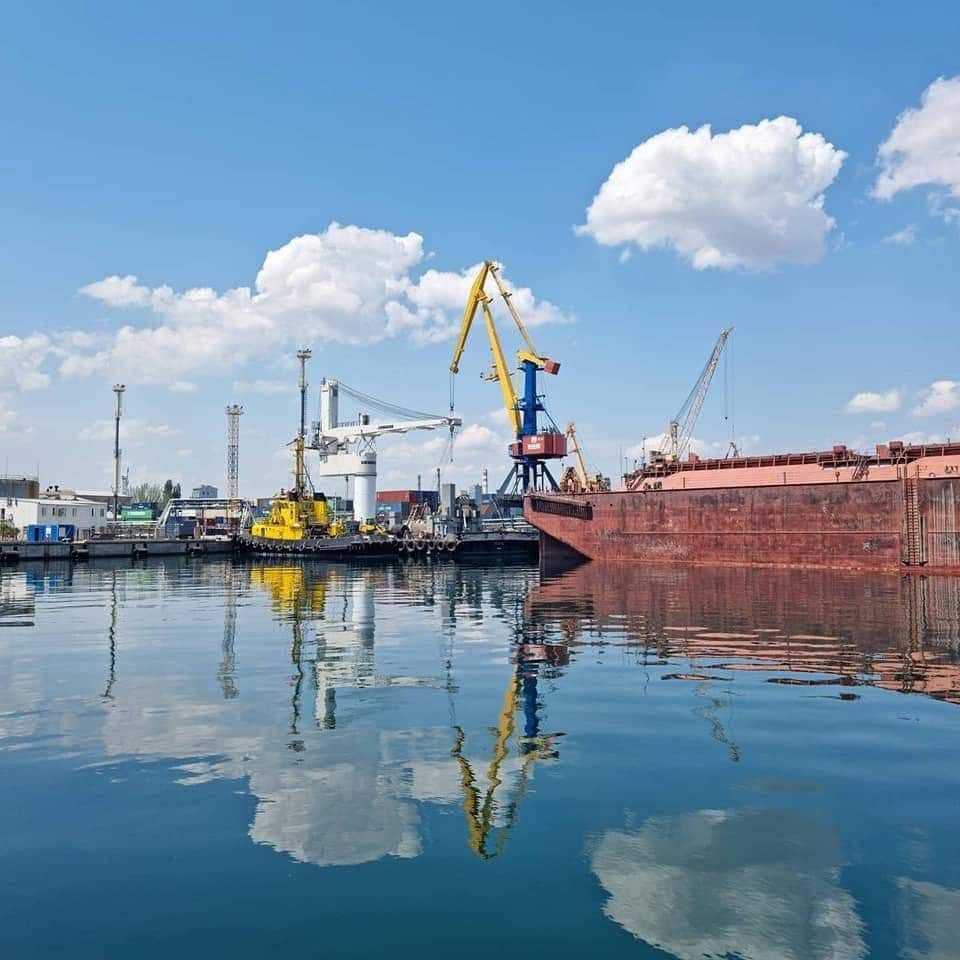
x,y
900,524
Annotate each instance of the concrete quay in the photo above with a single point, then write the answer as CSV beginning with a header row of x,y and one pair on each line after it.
x,y
17,551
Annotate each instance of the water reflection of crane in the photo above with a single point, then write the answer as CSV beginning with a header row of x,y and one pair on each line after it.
x,y
480,808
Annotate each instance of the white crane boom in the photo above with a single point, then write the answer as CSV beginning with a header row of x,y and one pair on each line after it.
x,y
366,431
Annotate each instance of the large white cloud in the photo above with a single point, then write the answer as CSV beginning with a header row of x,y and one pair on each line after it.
x,y
924,147
348,284
746,198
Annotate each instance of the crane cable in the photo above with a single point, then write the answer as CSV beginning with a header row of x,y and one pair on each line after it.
x,y
386,407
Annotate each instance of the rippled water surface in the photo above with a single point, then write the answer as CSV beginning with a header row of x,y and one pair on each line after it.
x,y
227,759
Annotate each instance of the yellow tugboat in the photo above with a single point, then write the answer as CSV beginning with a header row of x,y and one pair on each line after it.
x,y
296,517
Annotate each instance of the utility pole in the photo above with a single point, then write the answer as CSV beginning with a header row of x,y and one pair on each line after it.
x,y
300,479
303,356
233,451
118,389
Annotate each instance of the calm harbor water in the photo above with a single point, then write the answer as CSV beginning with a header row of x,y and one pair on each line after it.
x,y
223,759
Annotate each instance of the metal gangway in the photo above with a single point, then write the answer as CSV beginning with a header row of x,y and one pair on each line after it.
x,y
238,513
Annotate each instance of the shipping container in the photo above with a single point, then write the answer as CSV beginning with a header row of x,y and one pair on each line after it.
x,y
138,513
545,445
180,529
408,496
396,496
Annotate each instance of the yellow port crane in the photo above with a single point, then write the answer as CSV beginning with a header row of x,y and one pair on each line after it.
x,y
575,479
532,447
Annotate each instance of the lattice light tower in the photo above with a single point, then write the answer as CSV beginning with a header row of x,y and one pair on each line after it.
x,y
233,451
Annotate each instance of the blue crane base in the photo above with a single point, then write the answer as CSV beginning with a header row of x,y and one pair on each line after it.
x,y
526,474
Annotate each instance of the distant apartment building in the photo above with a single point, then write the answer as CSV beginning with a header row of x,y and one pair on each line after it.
x,y
204,492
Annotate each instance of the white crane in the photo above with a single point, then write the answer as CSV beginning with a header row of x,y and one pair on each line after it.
x,y
349,449
680,429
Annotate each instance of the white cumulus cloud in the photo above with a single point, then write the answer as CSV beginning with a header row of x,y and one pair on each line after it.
x,y
476,447
118,291
924,148
21,359
746,198
348,284
870,401
434,305
905,237
942,396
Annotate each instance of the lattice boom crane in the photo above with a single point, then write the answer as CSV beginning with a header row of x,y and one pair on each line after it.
x,y
680,429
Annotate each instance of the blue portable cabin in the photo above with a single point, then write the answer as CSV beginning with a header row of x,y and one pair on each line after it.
x,y
50,533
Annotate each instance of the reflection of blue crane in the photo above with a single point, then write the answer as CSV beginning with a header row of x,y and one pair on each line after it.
x,y
531,447
480,808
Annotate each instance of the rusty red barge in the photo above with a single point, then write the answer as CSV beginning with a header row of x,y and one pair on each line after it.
x,y
894,510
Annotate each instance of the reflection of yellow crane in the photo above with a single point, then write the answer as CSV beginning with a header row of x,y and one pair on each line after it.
x,y
479,809
531,447
576,479
289,588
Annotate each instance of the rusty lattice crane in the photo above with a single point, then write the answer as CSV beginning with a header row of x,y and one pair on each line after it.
x,y
576,479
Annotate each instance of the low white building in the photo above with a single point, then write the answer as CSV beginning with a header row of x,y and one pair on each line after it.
x,y
88,516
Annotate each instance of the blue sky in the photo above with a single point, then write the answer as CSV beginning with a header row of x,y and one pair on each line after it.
x,y
180,147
